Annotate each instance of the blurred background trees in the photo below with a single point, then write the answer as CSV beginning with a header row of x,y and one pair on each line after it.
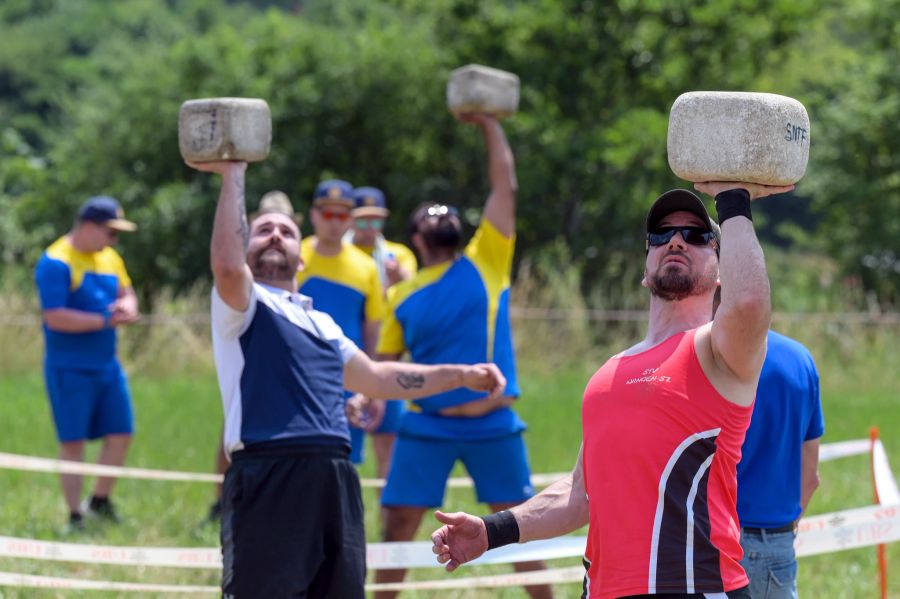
x,y
90,92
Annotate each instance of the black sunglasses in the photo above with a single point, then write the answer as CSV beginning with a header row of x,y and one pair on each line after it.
x,y
691,235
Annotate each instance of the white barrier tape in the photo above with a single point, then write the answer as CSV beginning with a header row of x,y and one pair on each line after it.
x,y
843,449
11,461
848,529
556,576
379,556
10,579
885,484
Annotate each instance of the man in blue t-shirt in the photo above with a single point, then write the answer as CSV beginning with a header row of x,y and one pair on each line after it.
x,y
778,472
85,295
457,308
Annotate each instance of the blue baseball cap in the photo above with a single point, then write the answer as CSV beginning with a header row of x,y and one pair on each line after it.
x,y
334,191
370,201
105,210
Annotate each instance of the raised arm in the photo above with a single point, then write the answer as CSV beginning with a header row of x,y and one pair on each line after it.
x,y
403,380
230,236
500,208
557,510
738,336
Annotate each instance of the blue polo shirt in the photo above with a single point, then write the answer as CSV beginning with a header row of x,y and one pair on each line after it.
x,y
280,367
85,281
787,413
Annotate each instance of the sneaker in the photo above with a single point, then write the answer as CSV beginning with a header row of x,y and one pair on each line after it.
x,y
101,508
76,523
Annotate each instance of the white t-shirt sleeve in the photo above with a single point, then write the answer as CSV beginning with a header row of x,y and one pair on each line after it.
x,y
227,322
330,330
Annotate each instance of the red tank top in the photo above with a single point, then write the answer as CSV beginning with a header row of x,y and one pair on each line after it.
x,y
660,451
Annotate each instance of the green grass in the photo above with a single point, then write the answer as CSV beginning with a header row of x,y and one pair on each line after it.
x,y
179,418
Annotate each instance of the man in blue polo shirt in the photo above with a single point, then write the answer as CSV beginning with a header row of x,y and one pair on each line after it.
x,y
778,471
292,514
85,295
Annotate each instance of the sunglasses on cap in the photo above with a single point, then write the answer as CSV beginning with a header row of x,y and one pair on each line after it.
x,y
691,235
439,210
338,216
376,224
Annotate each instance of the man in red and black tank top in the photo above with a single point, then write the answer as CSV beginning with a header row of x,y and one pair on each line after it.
x,y
663,421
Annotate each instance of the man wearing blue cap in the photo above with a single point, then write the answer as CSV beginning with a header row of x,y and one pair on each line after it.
x,y
85,294
395,262
341,279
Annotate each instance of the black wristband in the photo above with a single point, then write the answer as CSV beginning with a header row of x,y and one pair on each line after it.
x,y
502,529
733,202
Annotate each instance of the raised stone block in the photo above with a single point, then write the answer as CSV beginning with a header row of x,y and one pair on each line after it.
x,y
224,129
475,88
738,136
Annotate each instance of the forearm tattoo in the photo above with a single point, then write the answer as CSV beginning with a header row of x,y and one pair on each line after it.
x,y
410,380
244,226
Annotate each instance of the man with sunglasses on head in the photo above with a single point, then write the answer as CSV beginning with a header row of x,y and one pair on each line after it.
x,y
340,278
662,422
395,262
457,308
86,294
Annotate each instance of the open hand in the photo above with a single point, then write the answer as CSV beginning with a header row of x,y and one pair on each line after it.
x,y
462,539
221,167
481,119
756,190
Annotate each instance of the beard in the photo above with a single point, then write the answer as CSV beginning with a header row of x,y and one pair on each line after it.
x,y
673,284
272,264
445,235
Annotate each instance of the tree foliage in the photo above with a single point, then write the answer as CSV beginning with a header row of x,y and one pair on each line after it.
x,y
90,92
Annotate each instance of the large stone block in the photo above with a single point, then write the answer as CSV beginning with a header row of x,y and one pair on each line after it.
x,y
738,136
474,88
224,129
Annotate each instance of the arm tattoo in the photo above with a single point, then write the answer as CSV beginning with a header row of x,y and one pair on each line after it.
x,y
244,227
410,380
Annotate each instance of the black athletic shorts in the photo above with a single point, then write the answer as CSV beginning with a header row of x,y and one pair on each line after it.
x,y
292,525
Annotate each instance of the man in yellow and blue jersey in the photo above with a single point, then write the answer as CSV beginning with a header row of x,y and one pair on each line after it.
x,y
395,262
457,308
341,279
85,294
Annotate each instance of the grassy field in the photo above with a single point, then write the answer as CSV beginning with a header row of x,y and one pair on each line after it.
x,y
179,416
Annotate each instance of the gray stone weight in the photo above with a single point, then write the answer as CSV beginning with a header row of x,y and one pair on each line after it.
x,y
224,129
738,136
474,88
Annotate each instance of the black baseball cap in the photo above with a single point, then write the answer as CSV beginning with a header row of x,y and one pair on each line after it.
x,y
680,200
105,210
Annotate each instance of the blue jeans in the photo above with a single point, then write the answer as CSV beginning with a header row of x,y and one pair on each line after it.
x,y
770,564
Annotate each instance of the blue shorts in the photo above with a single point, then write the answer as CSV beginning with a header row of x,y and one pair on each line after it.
x,y
420,468
89,404
393,414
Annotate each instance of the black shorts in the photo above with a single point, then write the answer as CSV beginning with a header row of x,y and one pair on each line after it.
x,y
292,525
